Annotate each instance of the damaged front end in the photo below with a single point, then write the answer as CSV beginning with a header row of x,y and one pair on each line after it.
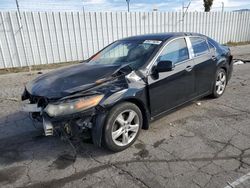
x,y
72,116
67,105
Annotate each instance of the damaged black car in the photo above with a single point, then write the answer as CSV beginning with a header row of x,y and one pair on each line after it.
x,y
119,90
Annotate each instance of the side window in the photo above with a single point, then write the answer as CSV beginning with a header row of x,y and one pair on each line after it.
x,y
199,46
176,51
211,46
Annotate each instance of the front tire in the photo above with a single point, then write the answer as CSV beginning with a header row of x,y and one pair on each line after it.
x,y
122,126
220,83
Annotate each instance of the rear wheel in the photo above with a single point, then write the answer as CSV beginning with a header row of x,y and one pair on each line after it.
x,y
122,126
220,83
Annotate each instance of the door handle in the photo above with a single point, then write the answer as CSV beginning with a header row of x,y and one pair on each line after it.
x,y
189,68
214,58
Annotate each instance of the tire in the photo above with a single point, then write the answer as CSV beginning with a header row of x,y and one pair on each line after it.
x,y
122,126
219,83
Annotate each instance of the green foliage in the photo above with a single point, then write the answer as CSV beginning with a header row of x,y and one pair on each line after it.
x,y
207,5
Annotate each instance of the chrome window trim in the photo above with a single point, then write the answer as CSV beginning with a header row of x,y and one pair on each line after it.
x,y
181,62
153,61
190,48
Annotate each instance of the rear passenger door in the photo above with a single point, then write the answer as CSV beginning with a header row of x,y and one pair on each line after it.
x,y
204,64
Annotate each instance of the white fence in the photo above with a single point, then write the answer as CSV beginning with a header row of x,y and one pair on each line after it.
x,y
33,38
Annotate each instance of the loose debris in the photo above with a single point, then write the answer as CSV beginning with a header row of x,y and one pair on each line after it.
x,y
198,103
238,62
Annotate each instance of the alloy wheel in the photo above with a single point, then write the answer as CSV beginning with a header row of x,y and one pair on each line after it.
x,y
125,127
220,83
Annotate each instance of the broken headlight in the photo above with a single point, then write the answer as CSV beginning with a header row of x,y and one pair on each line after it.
x,y
73,106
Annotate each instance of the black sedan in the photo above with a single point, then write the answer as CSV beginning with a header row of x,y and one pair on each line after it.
x,y
119,90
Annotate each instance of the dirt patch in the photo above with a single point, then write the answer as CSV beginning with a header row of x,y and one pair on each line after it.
x,y
10,175
36,67
143,153
140,146
63,161
10,156
159,142
237,43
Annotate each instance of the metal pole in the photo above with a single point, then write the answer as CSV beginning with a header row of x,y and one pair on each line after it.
x,y
183,14
83,7
22,34
222,8
128,1
18,9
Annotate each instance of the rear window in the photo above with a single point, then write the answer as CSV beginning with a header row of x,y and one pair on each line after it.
x,y
217,46
199,46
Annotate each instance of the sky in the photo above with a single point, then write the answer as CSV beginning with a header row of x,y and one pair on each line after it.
x,y
120,5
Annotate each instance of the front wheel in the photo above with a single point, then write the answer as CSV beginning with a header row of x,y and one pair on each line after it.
x,y
220,83
122,127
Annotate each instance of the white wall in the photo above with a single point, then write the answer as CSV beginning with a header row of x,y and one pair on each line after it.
x,y
52,37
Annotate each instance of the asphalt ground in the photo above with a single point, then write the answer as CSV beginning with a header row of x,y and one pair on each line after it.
x,y
204,144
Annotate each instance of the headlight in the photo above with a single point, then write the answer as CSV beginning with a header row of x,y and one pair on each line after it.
x,y
73,106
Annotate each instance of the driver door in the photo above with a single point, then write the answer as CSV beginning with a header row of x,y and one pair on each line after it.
x,y
170,89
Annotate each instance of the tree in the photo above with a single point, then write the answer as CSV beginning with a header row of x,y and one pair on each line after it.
x,y
207,5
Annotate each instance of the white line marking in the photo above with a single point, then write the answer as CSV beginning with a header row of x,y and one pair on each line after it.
x,y
238,181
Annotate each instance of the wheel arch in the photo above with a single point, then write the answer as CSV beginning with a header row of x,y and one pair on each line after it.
x,y
100,120
144,111
223,64
140,105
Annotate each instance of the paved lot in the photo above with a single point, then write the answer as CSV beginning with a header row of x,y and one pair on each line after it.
x,y
205,145
241,52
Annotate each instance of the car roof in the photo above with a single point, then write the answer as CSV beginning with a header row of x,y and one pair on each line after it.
x,y
161,36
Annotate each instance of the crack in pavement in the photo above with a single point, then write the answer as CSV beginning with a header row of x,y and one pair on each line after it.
x,y
131,175
225,145
232,107
121,169
62,181
28,169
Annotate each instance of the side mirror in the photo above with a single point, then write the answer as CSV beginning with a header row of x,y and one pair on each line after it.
x,y
165,66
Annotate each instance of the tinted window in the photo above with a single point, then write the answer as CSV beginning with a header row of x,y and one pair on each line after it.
x,y
176,51
211,46
199,45
218,47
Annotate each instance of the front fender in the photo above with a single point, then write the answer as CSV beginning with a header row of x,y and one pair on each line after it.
x,y
134,95
139,95
97,129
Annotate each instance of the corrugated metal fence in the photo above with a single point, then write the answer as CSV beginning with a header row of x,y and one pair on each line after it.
x,y
32,38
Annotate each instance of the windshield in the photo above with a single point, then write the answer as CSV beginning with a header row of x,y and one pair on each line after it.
x,y
134,53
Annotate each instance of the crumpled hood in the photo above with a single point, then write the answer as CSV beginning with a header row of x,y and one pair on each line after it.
x,y
63,81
